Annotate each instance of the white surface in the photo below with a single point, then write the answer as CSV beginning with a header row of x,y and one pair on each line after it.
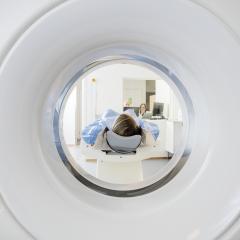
x,y
162,125
69,119
135,90
10,229
162,92
150,167
174,135
16,18
73,209
120,172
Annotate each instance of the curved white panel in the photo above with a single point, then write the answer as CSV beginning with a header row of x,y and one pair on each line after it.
x,y
201,202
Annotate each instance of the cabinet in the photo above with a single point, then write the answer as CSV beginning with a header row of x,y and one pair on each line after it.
x,y
174,131
170,134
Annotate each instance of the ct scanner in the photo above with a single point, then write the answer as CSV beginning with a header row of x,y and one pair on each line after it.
x,y
44,44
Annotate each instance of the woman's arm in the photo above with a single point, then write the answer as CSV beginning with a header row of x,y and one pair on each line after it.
x,y
151,127
90,133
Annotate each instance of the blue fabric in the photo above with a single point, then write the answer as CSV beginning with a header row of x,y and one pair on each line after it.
x,y
108,118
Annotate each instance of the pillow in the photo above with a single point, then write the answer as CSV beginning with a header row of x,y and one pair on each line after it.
x,y
101,141
123,144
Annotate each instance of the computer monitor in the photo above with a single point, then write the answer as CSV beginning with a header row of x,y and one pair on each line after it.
x,y
158,109
136,109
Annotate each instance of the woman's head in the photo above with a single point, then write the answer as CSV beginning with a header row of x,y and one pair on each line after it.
x,y
142,108
125,125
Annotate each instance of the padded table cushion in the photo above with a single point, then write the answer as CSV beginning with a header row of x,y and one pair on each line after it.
x,y
123,144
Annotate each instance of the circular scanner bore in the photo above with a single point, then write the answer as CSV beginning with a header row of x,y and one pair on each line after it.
x,y
66,40
104,72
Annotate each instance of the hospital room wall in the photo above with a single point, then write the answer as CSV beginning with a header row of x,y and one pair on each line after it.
x,y
109,87
165,94
134,90
102,89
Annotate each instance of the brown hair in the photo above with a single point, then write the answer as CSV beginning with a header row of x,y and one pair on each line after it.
x,y
125,125
143,104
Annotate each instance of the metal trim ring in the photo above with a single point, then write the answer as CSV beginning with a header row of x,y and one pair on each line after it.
x,y
148,185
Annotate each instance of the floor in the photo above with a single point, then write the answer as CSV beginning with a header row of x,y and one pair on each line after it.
x,y
149,166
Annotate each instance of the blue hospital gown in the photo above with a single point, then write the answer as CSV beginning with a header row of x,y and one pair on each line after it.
x,y
107,120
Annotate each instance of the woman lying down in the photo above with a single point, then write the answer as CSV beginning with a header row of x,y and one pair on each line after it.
x,y
125,125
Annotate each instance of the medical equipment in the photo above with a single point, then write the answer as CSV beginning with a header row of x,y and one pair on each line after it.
x,y
195,45
119,159
158,109
121,144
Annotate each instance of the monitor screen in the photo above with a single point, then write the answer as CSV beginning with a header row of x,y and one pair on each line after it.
x,y
158,109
